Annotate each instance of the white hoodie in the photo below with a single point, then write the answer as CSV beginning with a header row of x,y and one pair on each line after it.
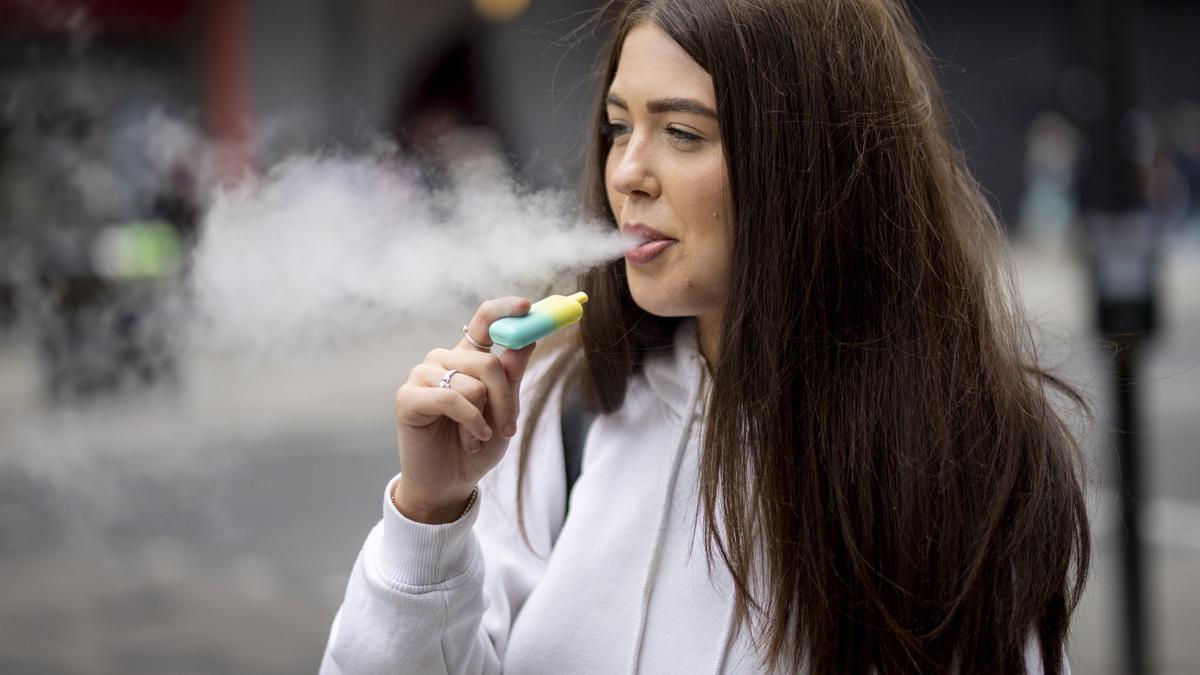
x,y
622,586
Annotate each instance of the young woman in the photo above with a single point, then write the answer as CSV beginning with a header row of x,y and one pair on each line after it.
x,y
823,442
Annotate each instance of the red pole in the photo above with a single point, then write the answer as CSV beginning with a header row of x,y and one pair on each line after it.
x,y
227,77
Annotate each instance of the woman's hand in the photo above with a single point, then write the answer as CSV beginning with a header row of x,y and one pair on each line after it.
x,y
450,437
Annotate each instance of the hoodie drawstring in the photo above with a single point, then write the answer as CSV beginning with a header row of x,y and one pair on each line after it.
x,y
725,641
656,554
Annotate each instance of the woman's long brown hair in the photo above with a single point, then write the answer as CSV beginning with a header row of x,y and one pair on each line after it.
x,y
915,505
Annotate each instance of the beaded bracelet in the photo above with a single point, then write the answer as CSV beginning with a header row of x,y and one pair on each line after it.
x,y
470,500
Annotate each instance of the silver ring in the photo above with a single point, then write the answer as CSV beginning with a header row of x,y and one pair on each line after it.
x,y
444,383
475,343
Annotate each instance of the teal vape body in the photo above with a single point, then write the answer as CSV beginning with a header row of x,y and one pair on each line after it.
x,y
545,316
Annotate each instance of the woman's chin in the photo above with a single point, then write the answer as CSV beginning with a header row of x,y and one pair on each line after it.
x,y
657,301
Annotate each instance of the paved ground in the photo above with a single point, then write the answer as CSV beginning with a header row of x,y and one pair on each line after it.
x,y
210,530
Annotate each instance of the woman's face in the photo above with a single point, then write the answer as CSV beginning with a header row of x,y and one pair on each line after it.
x,y
666,170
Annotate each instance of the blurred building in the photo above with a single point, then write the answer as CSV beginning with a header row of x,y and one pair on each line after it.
x,y
277,76
1004,64
126,110
123,112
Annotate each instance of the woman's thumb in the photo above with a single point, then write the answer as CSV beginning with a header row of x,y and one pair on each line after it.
x,y
515,361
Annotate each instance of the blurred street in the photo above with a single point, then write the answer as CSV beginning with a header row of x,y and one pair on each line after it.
x,y
211,529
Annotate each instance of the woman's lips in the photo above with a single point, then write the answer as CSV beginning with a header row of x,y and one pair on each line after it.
x,y
648,251
649,242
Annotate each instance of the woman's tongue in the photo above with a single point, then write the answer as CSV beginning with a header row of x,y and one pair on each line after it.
x,y
649,250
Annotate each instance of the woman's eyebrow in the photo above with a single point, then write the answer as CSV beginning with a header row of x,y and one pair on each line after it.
x,y
663,105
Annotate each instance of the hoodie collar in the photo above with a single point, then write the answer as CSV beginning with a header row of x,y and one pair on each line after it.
x,y
672,374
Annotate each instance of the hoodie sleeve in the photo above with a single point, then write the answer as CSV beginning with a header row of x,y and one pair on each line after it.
x,y
414,601
442,598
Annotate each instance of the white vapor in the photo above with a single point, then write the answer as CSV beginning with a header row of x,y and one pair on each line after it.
x,y
325,247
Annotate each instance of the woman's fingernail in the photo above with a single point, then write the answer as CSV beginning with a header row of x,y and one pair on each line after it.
x,y
510,430
476,446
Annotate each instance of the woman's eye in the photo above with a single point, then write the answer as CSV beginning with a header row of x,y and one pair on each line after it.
x,y
614,130
681,135
611,130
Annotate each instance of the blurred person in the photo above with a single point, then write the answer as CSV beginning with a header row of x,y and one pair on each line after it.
x,y
446,128
1052,152
102,255
1174,181
1167,192
823,441
452,151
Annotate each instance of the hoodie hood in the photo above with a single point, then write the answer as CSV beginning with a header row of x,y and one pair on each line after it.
x,y
672,374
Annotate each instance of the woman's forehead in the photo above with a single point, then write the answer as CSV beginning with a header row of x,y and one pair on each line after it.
x,y
654,66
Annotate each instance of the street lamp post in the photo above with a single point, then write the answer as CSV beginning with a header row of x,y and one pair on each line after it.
x,y
1124,251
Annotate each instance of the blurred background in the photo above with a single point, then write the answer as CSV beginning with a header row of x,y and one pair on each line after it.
x,y
171,506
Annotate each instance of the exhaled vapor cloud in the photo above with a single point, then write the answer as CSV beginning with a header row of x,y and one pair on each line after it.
x,y
323,247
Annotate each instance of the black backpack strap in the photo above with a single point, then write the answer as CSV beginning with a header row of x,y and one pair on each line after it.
x,y
576,420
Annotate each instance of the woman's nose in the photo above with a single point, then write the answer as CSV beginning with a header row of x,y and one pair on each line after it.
x,y
633,174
